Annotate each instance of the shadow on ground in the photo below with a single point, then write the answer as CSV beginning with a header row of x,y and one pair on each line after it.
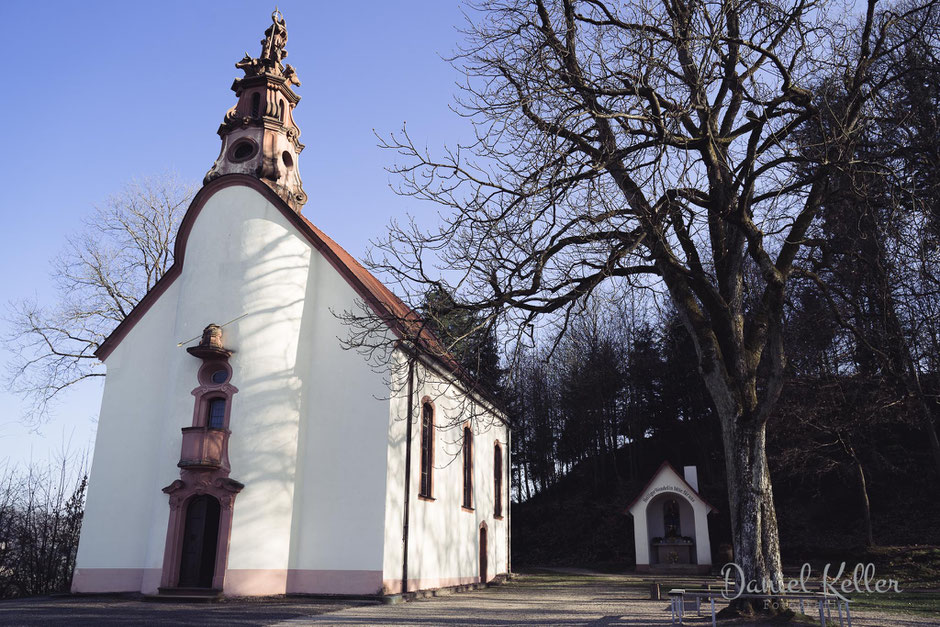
x,y
99,610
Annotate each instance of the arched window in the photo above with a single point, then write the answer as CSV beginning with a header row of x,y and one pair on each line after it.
x,y
215,417
467,468
255,105
213,395
427,449
498,480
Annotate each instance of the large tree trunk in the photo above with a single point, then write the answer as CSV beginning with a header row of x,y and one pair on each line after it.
x,y
750,496
728,370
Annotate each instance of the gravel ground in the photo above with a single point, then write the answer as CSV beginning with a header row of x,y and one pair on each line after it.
x,y
99,610
570,598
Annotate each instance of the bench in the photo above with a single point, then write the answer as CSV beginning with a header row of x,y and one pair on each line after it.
x,y
822,602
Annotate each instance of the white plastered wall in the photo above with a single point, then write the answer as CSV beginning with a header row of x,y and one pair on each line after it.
x,y
340,493
122,512
443,538
308,424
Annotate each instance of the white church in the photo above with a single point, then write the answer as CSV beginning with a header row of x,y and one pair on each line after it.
x,y
241,448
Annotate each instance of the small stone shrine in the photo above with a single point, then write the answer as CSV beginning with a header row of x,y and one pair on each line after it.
x,y
670,523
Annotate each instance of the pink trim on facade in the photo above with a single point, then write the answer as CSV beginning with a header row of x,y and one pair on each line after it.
x,y
429,496
181,492
151,580
393,586
334,581
206,391
204,465
94,580
255,581
204,446
258,582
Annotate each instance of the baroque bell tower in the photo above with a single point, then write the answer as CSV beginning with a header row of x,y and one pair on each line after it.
x,y
259,136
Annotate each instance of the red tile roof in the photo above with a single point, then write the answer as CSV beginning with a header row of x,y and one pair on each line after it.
x,y
402,318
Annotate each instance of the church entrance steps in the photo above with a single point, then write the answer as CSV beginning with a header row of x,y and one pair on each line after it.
x,y
186,595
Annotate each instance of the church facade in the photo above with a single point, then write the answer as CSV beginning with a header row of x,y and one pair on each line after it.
x,y
241,447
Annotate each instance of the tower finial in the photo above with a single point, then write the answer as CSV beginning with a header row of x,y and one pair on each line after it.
x,y
259,135
272,53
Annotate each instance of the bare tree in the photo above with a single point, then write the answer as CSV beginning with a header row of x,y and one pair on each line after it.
x,y
124,248
41,512
651,144
829,425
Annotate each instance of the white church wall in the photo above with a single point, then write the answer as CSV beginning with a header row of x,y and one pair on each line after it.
x,y
340,494
686,519
315,439
245,264
121,513
310,517
642,548
443,543
308,422
395,460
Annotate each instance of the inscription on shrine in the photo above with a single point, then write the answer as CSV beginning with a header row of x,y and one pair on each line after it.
x,y
669,488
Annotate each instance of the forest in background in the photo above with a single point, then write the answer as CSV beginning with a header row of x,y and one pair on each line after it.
x,y
851,466
852,445
597,411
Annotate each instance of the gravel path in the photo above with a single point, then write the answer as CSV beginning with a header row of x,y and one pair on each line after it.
x,y
558,598
569,598
101,610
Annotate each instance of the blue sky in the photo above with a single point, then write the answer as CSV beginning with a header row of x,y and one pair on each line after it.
x,y
102,92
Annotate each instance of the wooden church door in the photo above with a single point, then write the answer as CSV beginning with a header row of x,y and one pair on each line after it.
x,y
200,537
482,554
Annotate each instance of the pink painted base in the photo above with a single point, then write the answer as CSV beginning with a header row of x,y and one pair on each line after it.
x,y
254,581
393,586
260,582
334,582
96,580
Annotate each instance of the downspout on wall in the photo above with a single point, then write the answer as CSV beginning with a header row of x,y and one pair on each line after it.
x,y
508,502
404,531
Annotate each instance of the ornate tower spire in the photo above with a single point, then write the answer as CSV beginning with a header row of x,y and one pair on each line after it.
x,y
259,136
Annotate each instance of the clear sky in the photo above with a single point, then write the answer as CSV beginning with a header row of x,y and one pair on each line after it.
x,y
102,92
